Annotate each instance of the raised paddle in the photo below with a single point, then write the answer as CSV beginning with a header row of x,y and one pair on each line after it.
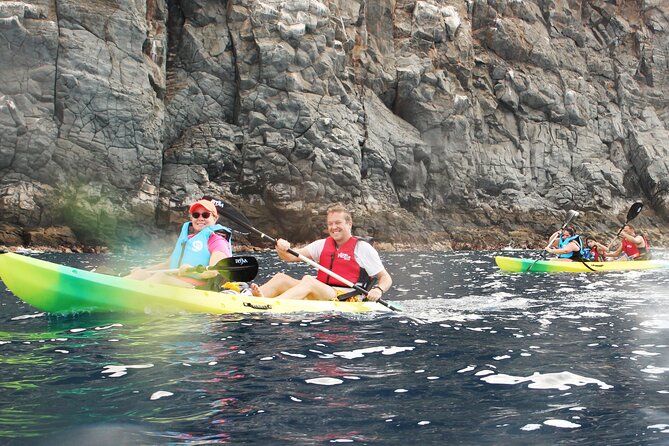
x,y
570,216
237,217
234,269
634,210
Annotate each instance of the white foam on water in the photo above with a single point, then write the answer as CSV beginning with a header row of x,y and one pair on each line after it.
x,y
106,327
656,323
466,308
295,355
324,381
27,316
655,370
644,353
160,394
545,381
593,314
561,423
115,371
360,353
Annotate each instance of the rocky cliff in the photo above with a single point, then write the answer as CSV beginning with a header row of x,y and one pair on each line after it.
x,y
470,123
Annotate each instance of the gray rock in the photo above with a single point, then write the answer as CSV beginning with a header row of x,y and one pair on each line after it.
x,y
407,111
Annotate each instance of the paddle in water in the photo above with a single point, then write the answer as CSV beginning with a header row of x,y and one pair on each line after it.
x,y
232,214
232,269
570,216
633,211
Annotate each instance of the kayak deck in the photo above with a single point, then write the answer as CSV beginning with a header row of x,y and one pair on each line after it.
x,y
61,289
514,264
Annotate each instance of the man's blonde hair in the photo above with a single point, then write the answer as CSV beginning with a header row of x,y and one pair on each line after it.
x,y
338,207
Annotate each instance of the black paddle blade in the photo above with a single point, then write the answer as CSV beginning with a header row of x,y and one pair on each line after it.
x,y
635,210
228,211
570,216
237,268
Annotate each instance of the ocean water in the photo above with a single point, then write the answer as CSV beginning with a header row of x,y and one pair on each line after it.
x,y
477,357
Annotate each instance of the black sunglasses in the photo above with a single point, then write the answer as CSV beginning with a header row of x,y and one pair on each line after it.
x,y
203,214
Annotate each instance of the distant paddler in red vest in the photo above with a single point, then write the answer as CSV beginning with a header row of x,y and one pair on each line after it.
x,y
201,242
634,246
349,257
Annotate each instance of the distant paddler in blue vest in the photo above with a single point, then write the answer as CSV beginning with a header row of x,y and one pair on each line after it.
x,y
201,242
352,259
566,244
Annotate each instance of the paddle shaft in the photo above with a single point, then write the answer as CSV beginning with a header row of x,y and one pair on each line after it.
x,y
312,263
237,268
198,269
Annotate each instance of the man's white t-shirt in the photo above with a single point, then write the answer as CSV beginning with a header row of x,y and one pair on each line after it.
x,y
366,256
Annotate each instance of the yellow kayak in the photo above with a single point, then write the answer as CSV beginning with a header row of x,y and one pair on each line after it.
x,y
61,289
518,265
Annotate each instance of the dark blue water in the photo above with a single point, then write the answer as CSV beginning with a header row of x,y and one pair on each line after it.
x,y
478,357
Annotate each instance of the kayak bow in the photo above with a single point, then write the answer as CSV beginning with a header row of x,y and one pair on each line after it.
x,y
61,289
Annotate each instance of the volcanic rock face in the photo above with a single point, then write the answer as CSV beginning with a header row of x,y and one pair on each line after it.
x,y
425,117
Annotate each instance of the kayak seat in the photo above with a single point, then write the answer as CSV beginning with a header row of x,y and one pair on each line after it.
x,y
352,296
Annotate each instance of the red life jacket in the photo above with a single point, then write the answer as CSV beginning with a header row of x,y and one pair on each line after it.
x,y
341,261
597,256
632,251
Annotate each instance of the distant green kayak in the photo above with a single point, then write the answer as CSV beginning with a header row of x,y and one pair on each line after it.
x,y
61,289
517,265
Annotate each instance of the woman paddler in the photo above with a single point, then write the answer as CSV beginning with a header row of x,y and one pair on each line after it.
x,y
201,242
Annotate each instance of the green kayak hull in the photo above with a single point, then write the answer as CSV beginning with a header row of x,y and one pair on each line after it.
x,y
61,289
517,265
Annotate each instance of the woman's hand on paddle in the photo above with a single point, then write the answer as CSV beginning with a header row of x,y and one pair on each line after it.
x,y
184,269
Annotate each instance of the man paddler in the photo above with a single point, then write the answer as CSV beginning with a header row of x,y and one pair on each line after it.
x,y
340,252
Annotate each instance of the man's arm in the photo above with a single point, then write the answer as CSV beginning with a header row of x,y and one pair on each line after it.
x,y
615,253
383,285
636,239
282,247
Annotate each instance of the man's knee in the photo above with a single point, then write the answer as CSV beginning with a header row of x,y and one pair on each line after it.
x,y
309,279
283,280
